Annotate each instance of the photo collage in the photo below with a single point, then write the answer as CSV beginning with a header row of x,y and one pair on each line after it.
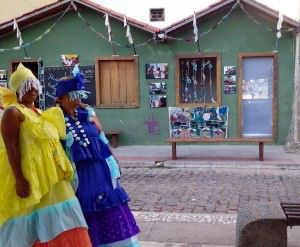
x,y
229,79
156,75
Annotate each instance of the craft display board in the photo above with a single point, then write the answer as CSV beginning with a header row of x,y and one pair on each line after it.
x,y
198,80
198,122
53,74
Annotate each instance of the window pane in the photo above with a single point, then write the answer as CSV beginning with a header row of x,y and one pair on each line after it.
x,y
257,96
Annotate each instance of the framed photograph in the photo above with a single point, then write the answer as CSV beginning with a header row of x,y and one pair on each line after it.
x,y
229,70
157,101
3,75
230,80
69,59
156,70
229,84
157,88
3,84
229,89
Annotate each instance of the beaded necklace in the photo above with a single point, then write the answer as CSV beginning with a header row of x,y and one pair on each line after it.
x,y
77,131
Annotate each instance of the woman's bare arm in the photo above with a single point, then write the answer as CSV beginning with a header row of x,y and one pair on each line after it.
x,y
10,129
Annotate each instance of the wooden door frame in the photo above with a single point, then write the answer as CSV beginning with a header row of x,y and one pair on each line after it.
x,y
274,56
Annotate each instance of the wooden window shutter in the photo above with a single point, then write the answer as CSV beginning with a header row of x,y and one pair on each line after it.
x,y
117,82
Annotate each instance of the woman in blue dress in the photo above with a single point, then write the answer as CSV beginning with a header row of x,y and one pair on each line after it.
x,y
103,200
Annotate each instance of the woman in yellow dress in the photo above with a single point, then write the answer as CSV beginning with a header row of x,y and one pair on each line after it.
x,y
37,202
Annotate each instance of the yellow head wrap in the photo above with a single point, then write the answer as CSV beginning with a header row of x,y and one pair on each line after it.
x,y
19,76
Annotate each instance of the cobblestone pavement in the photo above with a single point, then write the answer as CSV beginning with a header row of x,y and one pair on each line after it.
x,y
207,190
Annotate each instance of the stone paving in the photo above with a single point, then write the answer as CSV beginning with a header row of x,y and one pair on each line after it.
x,y
186,218
193,201
207,190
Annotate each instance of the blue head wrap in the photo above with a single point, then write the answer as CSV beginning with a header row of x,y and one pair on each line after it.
x,y
74,86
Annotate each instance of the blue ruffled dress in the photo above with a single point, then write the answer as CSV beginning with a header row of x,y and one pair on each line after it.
x,y
103,200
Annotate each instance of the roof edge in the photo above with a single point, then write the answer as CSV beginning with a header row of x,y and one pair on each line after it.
x,y
7,27
222,3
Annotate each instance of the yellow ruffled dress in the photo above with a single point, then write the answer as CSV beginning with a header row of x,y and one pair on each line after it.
x,y
52,208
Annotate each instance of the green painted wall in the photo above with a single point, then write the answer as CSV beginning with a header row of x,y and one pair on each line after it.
x,y
236,34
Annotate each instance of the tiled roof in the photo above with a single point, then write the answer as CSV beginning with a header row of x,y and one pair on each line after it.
x,y
54,9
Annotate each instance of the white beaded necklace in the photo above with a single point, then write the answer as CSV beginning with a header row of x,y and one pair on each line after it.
x,y
77,131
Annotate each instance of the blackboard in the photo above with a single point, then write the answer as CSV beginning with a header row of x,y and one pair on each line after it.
x,y
53,74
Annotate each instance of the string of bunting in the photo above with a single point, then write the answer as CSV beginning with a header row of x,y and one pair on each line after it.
x,y
263,25
101,35
195,36
202,34
39,37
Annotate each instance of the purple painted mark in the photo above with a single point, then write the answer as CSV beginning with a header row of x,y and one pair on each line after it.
x,y
152,126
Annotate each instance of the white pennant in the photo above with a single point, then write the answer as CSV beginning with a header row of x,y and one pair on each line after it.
x,y
125,21
279,24
128,33
15,27
280,20
20,41
195,28
108,27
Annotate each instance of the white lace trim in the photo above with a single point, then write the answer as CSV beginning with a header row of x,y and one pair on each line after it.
x,y
27,85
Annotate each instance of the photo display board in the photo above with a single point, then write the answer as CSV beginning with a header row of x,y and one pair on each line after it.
x,y
198,122
53,74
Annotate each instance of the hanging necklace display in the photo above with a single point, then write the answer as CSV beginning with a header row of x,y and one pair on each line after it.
x,y
187,82
77,131
202,84
195,82
210,82
182,81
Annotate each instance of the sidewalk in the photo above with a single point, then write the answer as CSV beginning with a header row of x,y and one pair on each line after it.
x,y
193,230
229,156
166,229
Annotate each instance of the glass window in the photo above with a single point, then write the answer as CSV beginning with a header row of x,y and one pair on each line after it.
x,y
257,95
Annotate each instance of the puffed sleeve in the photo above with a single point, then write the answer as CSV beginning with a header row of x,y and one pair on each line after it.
x,y
55,116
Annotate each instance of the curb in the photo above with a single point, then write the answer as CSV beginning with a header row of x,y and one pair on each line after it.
x,y
207,165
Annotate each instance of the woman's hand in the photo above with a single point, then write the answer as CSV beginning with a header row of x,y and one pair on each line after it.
x,y
22,188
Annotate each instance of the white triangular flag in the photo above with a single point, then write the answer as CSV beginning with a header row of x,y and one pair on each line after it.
x,y
20,41
128,33
108,27
15,27
279,24
195,28
18,33
125,21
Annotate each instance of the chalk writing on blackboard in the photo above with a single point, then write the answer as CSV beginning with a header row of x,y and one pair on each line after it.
x,y
53,74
